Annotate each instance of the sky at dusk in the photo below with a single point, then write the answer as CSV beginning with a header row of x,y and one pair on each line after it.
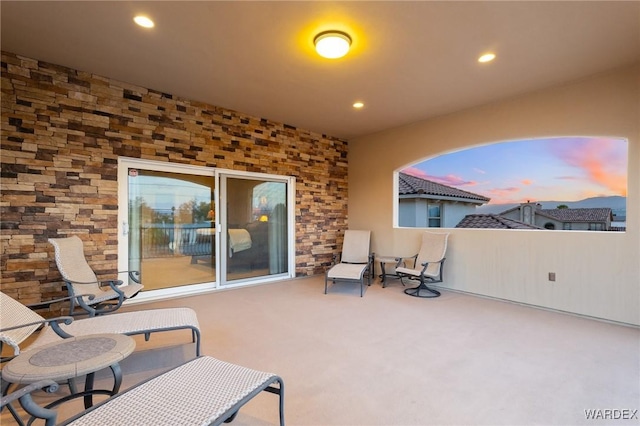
x,y
558,169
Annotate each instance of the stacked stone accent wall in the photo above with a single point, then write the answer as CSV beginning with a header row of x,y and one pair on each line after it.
x,y
63,131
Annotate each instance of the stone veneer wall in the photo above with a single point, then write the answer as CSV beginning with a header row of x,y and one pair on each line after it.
x,y
63,131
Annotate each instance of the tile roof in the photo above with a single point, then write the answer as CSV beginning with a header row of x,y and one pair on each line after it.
x,y
595,214
408,185
492,221
600,214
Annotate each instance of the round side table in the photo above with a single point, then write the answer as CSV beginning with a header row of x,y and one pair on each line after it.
x,y
384,274
71,358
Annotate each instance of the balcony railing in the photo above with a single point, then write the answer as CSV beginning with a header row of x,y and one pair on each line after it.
x,y
168,240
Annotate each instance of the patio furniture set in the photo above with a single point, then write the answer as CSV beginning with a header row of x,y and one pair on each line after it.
x,y
357,263
203,391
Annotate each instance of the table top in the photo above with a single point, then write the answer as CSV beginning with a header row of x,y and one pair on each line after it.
x,y
68,358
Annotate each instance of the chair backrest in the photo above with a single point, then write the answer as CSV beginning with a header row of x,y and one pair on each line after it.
x,y
73,266
355,248
433,249
14,313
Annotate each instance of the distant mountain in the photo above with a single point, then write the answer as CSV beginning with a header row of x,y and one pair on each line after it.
x,y
617,204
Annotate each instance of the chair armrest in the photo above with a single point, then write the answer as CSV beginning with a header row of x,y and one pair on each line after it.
x,y
402,260
67,320
47,303
426,264
107,283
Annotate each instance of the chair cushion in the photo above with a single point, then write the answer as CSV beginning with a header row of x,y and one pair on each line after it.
x,y
416,272
347,271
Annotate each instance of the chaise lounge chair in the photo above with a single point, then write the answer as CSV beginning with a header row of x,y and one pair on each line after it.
x,y
18,322
107,296
203,391
356,261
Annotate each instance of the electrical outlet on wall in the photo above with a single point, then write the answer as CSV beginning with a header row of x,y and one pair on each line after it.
x,y
552,276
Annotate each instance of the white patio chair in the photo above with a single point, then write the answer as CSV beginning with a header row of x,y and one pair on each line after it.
x,y
356,261
427,265
80,279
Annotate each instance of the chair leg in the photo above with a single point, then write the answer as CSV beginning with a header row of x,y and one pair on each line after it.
x,y
415,291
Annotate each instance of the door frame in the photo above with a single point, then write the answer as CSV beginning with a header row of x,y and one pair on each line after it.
x,y
124,163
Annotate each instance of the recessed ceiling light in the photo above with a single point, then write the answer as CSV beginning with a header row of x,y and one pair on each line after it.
x,y
332,44
487,57
358,105
143,21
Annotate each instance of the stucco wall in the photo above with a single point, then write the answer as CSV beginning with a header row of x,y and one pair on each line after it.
x,y
63,131
598,273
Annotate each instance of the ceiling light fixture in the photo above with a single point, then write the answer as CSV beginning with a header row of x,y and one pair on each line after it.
x,y
358,105
332,44
143,21
487,57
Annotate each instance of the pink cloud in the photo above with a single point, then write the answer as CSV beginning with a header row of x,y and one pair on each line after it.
x,y
526,181
602,160
449,180
568,178
414,171
504,195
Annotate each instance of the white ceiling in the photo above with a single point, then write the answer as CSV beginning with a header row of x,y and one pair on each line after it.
x,y
409,60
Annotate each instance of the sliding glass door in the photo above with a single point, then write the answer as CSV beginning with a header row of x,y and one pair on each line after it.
x,y
170,227
186,236
255,227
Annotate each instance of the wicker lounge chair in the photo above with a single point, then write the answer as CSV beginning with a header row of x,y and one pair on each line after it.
x,y
18,322
108,296
203,391
356,261
428,265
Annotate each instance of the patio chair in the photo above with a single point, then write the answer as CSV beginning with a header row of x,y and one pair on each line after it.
x,y
18,322
427,265
356,261
80,279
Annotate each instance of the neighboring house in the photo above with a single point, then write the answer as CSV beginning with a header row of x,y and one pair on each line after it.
x,y
492,221
593,219
423,203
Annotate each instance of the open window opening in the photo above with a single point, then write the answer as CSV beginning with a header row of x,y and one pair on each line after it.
x,y
559,183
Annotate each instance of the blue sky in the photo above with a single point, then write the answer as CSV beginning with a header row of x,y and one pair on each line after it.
x,y
559,169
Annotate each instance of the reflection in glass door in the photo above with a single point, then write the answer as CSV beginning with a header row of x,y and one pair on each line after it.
x,y
255,227
171,227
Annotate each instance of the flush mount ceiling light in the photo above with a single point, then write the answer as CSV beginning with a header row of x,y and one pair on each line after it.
x,y
358,105
332,44
487,57
143,21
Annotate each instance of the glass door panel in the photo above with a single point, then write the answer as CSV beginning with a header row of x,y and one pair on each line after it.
x,y
171,228
255,227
